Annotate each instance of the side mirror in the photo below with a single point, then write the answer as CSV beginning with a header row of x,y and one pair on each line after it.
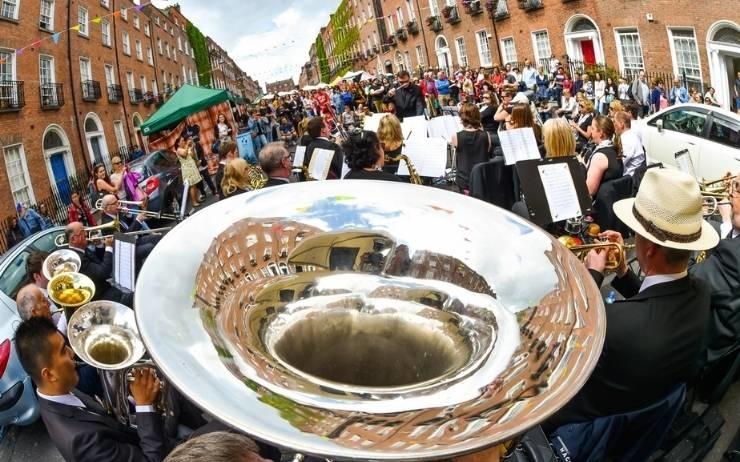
x,y
659,125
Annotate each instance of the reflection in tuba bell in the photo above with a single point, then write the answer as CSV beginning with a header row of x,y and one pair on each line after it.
x,y
71,291
61,261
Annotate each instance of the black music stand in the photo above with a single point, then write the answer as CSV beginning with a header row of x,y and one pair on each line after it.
x,y
534,191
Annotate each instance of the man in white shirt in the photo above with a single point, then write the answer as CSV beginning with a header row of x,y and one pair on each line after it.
x,y
32,302
633,153
529,75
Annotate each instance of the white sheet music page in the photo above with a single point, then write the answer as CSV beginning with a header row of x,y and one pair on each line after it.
x,y
428,155
371,122
560,191
300,154
518,144
125,264
320,163
685,163
453,124
414,128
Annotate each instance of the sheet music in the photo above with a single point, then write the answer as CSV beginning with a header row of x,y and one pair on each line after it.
x,y
429,156
414,127
318,168
444,127
372,122
518,144
125,263
345,169
560,191
300,154
685,163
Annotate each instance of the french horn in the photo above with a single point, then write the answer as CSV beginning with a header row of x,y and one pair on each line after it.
x,y
369,320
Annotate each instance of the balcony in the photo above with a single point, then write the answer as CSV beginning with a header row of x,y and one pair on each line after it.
x,y
149,98
434,23
12,97
115,94
167,89
529,5
135,96
451,15
52,95
391,41
472,7
90,90
413,27
497,9
402,34
376,50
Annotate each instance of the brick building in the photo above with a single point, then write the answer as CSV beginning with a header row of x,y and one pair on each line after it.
x,y
700,40
280,85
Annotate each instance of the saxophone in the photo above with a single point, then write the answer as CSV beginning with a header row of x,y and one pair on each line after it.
x,y
413,174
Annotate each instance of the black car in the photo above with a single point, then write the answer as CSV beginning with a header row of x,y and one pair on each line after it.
x,y
161,180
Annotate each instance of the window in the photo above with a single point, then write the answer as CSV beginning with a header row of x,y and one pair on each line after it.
x,y
509,50
139,53
9,9
130,80
391,28
155,89
159,46
174,53
410,9
110,77
541,42
725,131
136,22
126,44
689,121
124,14
85,71
149,56
399,17
484,49
142,83
46,70
82,20
433,7
420,56
105,32
20,183
179,43
462,53
629,50
147,31
46,16
167,49
156,20
184,74
685,54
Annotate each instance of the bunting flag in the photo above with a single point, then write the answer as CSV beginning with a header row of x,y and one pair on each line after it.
x,y
56,37
19,51
36,43
96,20
75,28
138,8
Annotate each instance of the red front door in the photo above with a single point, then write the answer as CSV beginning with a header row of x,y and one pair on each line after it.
x,y
587,50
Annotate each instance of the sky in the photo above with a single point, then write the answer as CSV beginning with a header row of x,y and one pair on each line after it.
x,y
269,39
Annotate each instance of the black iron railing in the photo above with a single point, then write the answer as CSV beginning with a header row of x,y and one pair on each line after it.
x,y
136,96
52,95
12,97
90,90
115,94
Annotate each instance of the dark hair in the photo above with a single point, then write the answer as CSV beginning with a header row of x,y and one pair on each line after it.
x,y
35,263
361,149
225,147
675,256
33,346
470,115
403,74
606,126
315,125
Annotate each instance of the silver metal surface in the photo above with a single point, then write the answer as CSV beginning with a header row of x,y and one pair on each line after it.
x,y
369,320
61,261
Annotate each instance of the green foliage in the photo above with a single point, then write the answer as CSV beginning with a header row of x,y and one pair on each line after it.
x,y
202,61
323,61
344,36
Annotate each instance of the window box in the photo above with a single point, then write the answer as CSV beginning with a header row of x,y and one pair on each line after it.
x,y
402,34
434,23
451,14
413,27
136,96
529,5
472,7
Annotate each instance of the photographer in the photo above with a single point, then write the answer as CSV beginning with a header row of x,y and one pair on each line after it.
x,y
405,97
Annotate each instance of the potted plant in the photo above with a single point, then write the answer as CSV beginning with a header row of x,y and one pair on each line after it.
x,y
447,11
412,27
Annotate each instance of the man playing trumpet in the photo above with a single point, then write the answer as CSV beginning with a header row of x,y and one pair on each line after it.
x,y
144,243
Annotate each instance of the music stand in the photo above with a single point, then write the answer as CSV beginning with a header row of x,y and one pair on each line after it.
x,y
532,186
124,262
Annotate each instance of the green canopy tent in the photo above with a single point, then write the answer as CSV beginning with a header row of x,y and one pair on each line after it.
x,y
189,99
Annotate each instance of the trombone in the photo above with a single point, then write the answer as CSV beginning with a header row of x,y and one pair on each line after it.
x,y
616,253
719,188
94,233
128,207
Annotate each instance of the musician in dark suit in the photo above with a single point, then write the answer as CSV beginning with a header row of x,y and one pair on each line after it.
x,y
320,134
653,337
276,163
126,224
406,97
77,424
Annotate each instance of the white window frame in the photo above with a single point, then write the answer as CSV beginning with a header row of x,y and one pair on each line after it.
x,y
143,84
674,59
159,46
105,33
51,69
124,14
16,9
420,56
119,133
434,8
179,43
26,177
105,3
147,30
482,61
135,22
618,31
503,49
167,49
110,75
139,50
399,17
149,55
130,83
85,61
50,25
538,58
83,20
410,9
462,51
126,41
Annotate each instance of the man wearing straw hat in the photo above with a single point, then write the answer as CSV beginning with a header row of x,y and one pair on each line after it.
x,y
653,337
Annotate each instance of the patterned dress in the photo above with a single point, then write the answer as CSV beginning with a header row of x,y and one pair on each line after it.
x,y
189,169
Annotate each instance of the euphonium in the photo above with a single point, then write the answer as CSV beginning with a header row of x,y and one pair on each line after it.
x,y
61,261
257,177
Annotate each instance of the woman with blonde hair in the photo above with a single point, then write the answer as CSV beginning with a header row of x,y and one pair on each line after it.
x,y
236,177
582,125
614,107
558,138
391,140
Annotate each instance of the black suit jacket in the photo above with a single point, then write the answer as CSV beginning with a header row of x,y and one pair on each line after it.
x,y
335,171
97,269
276,182
82,435
653,342
408,101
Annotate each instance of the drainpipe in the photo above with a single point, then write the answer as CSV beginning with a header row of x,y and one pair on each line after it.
x,y
118,72
423,36
85,159
495,33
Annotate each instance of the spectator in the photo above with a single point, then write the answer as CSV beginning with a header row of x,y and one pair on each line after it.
x,y
614,107
287,132
633,153
45,216
542,83
588,89
599,94
529,76
623,90
610,94
641,94
656,96
678,94
558,138
29,220
337,101
348,118
13,235
710,98
79,211
577,84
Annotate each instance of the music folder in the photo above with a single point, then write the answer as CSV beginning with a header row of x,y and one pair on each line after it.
x,y
554,189
124,262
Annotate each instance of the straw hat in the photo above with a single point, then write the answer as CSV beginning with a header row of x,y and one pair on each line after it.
x,y
668,211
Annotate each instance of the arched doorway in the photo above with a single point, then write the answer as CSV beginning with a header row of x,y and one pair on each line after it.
x,y
723,50
583,40
400,63
444,56
96,144
141,140
59,163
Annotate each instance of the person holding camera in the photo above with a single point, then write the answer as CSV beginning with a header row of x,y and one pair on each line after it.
x,y
188,167
406,97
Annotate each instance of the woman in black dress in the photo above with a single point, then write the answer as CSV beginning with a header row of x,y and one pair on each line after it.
x,y
605,163
365,157
472,145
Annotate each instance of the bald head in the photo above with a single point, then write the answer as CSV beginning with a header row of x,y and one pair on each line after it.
x,y
75,236
110,204
32,303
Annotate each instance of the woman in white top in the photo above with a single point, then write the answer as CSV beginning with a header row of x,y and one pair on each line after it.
x,y
599,93
568,105
623,89
116,178
222,129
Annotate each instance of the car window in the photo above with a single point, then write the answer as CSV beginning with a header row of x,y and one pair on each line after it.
x,y
142,170
725,132
45,243
14,275
687,121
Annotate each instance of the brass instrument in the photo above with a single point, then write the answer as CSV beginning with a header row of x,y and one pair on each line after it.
x,y
719,188
61,261
413,174
94,233
710,205
128,207
104,335
70,291
257,177
616,252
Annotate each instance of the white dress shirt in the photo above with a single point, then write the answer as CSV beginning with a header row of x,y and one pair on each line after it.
x,y
661,278
632,152
724,231
71,400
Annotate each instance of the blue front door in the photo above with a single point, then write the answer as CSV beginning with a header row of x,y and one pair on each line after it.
x,y
61,178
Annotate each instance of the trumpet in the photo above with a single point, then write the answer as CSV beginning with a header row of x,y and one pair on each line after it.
x,y
94,233
719,188
616,253
137,208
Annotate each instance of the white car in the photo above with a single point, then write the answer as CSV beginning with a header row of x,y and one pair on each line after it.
x,y
711,136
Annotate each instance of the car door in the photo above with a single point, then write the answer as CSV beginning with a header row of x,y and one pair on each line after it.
x,y
721,153
673,131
